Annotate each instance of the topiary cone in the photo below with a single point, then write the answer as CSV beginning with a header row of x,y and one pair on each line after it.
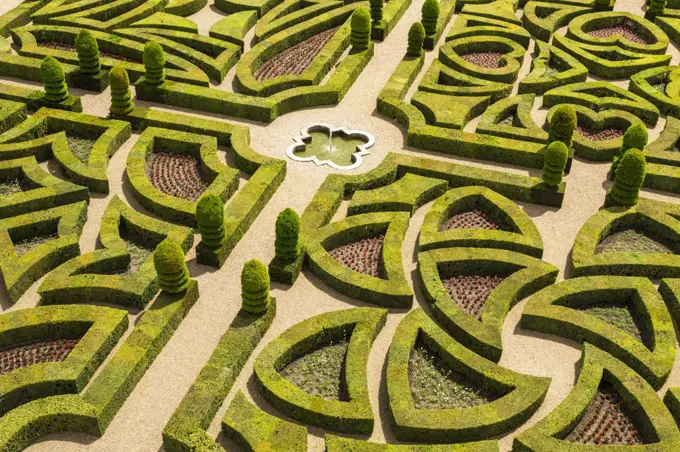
x,y
376,11
52,74
562,125
121,97
555,161
361,28
88,52
154,63
430,16
628,178
255,287
287,235
168,259
416,37
656,8
210,219
635,137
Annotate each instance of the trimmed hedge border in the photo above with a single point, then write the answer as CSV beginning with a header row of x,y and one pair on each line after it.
x,y
524,276
92,276
519,109
35,99
234,27
467,25
651,415
341,444
186,429
571,71
354,416
167,21
523,393
661,219
523,236
643,84
11,114
543,27
554,310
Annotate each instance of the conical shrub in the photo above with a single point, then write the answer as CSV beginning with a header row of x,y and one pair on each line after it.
x,y
255,287
52,74
656,8
121,97
168,259
430,16
635,137
210,219
555,161
88,52
416,37
361,28
628,178
562,125
154,63
376,11
287,235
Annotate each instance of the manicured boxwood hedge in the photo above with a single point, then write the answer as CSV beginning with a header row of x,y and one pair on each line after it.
x,y
651,417
540,79
646,84
186,430
542,19
353,416
469,25
11,114
342,444
519,109
35,99
234,27
522,394
557,310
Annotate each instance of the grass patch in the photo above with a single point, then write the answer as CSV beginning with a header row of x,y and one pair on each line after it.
x,y
322,372
80,147
616,314
632,241
27,245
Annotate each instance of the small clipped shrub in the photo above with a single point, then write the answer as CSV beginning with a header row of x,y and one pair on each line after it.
x,y
154,63
416,37
255,287
628,178
121,97
88,52
168,259
656,8
430,16
210,219
635,137
562,125
556,157
361,28
287,235
52,74
376,11
602,4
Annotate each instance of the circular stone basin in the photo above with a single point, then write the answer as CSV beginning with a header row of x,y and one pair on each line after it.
x,y
489,60
601,135
336,147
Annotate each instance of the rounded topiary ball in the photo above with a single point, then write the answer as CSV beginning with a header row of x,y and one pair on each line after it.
x,y
635,137
628,178
154,63
88,52
255,286
416,37
361,28
52,74
168,259
562,125
121,97
376,11
210,219
287,235
430,16
555,161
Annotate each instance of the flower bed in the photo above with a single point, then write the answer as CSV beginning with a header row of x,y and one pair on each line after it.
x,y
600,135
605,421
471,291
176,175
35,353
363,255
483,59
296,59
624,30
631,240
473,219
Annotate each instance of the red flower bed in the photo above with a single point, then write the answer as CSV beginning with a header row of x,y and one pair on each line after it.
x,y
363,255
176,175
473,219
623,30
489,60
35,353
605,421
296,59
471,292
601,135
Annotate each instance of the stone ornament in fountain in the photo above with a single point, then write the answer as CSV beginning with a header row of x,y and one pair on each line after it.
x,y
336,147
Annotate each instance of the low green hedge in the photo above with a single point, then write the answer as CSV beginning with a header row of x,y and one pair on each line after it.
x,y
519,109
518,233
353,416
97,329
186,429
223,179
446,10
542,19
101,274
558,310
234,27
11,115
393,11
110,15
524,275
167,21
19,16
184,7
656,219
659,86
656,424
513,54
288,14
467,25
341,444
542,77
663,149
35,99
521,394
